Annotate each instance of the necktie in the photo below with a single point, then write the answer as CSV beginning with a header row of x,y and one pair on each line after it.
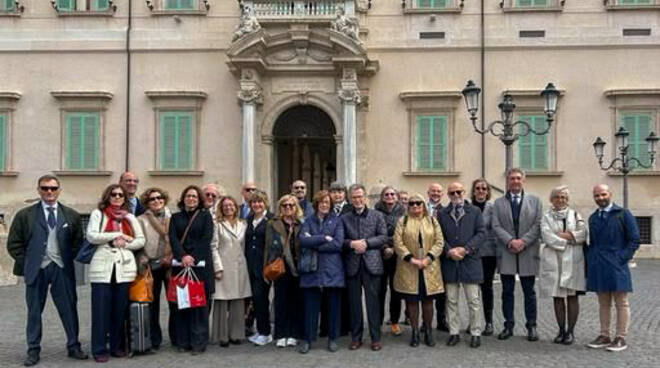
x,y
51,217
601,213
457,211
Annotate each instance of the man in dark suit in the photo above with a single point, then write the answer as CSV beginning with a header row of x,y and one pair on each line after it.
x,y
43,241
365,235
247,190
130,181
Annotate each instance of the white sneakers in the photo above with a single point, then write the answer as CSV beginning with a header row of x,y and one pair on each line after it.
x,y
291,342
253,338
284,342
281,343
262,340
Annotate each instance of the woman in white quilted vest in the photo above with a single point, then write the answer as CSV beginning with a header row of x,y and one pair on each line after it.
x,y
117,233
562,276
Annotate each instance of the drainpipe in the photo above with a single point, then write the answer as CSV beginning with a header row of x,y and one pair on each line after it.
x,y
483,92
128,86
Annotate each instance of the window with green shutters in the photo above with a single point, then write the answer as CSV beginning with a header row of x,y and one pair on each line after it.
x,y
534,150
179,4
634,2
3,141
532,3
7,5
66,5
82,141
176,140
431,143
99,5
432,3
639,125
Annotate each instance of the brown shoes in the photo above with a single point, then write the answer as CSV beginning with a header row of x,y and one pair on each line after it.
x,y
376,346
396,329
354,345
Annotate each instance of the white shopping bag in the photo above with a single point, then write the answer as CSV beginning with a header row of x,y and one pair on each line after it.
x,y
182,297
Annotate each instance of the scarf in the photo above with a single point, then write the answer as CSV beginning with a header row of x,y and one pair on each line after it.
x,y
117,221
161,225
559,214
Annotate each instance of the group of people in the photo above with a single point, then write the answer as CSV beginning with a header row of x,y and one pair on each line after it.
x,y
331,250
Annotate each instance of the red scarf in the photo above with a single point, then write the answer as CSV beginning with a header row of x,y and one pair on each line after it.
x,y
117,221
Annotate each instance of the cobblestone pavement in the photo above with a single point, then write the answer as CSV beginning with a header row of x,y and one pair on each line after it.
x,y
643,351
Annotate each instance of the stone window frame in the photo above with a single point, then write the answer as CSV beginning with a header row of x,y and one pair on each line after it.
x,y
157,8
530,102
626,100
82,9
443,103
17,11
83,101
8,102
509,6
611,5
167,101
411,7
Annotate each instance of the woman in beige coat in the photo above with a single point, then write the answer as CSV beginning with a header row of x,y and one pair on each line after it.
x,y
232,283
562,276
418,243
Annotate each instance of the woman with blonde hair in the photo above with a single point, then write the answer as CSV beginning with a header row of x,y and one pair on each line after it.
x,y
282,241
562,276
418,243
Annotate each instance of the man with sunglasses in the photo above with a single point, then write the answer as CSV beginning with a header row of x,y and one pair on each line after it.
x,y
43,241
299,190
463,230
246,192
516,222
211,197
130,182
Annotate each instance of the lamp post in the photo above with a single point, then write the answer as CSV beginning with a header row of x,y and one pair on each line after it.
x,y
623,162
504,129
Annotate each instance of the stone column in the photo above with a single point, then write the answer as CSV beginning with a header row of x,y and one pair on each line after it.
x,y
249,97
349,94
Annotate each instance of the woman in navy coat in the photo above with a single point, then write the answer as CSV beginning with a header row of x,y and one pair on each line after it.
x,y
321,269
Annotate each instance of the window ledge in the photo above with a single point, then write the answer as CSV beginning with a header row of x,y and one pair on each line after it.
x,y
632,92
10,96
9,173
544,173
412,95
452,10
179,12
531,9
201,95
176,173
82,173
631,7
100,95
432,173
636,173
86,13
10,14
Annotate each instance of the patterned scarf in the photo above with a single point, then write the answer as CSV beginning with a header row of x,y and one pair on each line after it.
x,y
117,221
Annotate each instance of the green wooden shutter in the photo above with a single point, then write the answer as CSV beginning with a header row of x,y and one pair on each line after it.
x,y
634,2
431,143
432,3
3,142
179,4
186,4
82,141
524,3
639,125
66,5
439,142
90,143
7,5
99,5
533,149
423,142
176,140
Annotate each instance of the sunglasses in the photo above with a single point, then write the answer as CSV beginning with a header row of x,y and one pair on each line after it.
x,y
45,188
117,195
480,188
250,190
157,198
211,195
455,192
415,203
389,194
288,205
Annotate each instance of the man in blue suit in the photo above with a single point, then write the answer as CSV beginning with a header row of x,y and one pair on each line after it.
x,y
43,241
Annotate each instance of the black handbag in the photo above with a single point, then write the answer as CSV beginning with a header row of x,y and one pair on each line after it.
x,y
87,250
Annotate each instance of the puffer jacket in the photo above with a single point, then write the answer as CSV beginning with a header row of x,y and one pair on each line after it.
x,y
330,271
369,225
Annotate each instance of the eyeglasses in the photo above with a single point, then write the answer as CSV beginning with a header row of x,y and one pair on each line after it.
x,y
45,188
481,188
211,195
157,198
250,190
455,192
415,203
288,205
191,195
299,187
117,195
389,194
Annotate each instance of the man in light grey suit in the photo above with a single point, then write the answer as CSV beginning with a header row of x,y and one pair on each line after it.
x,y
516,222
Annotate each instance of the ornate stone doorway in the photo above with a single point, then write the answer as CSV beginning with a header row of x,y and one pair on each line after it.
x,y
305,148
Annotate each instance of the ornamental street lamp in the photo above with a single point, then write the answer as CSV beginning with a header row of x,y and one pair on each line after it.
x,y
624,163
504,129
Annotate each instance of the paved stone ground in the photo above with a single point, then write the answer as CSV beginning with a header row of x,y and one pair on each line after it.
x,y
643,351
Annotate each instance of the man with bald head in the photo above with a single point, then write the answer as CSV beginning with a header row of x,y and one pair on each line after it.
x,y
613,240
463,230
434,193
130,181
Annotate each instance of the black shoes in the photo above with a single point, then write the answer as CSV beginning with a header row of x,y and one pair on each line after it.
x,y
428,337
475,341
560,337
76,354
414,339
531,334
453,340
31,359
303,348
505,334
488,329
568,338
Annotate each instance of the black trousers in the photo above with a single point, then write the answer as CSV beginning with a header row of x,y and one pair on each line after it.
x,y
261,303
191,326
312,300
63,293
508,301
288,307
440,307
109,306
395,298
371,285
489,264
160,283
344,313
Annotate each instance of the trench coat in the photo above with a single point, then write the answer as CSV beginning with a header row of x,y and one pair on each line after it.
x,y
227,248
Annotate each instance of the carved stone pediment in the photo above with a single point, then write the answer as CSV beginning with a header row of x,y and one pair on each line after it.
x,y
321,51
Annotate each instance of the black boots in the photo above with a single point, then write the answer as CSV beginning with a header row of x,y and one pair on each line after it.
x,y
414,339
428,336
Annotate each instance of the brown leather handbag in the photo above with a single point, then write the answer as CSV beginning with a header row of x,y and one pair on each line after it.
x,y
274,269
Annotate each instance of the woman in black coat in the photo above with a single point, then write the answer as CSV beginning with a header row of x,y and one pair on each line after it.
x,y
192,324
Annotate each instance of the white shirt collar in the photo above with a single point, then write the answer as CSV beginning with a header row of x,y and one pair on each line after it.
x,y
608,208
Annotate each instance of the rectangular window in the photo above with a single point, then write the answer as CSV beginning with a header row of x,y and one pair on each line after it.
x,y
66,5
82,141
7,5
99,5
532,3
179,4
533,150
432,3
176,140
634,2
639,125
431,143
3,141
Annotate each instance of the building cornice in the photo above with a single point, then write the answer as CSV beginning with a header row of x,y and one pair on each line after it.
x,y
632,92
98,95
200,95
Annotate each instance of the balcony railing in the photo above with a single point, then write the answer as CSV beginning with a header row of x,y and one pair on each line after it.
x,y
299,9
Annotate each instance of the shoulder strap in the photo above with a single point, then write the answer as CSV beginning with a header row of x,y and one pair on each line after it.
x,y
185,232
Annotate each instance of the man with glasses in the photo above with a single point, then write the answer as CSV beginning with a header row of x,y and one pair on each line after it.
x,y
299,190
246,192
365,234
212,195
516,222
463,230
130,181
43,241
434,205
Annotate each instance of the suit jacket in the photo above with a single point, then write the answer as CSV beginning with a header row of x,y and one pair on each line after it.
x,y
255,246
28,237
369,225
525,263
139,209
